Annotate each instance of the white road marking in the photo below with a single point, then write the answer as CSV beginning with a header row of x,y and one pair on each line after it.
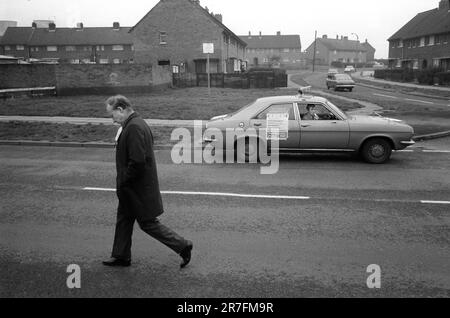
x,y
420,101
216,194
435,202
437,151
385,96
261,196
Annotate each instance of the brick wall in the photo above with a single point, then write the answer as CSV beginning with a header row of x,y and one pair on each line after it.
x,y
25,76
86,79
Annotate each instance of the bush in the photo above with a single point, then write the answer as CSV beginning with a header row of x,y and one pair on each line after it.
x,y
428,76
443,78
337,64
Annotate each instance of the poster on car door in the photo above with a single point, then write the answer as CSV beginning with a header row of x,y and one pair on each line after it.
x,y
277,126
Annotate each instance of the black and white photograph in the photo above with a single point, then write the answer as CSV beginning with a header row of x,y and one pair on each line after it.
x,y
224,156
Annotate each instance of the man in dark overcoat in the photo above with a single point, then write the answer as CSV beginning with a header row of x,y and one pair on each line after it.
x,y
137,186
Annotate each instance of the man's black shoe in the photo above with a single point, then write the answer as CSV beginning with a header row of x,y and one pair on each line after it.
x,y
186,255
117,262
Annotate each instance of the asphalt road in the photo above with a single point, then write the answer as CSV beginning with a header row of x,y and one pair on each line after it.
x,y
353,215
318,80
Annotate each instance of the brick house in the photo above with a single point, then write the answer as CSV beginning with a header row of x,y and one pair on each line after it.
x,y
424,42
270,50
340,50
80,45
172,33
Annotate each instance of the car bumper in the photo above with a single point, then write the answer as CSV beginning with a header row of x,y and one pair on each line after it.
x,y
408,143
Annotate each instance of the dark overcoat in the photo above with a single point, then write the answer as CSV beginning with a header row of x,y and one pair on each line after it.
x,y
137,177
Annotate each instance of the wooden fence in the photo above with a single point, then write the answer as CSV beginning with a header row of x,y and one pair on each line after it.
x,y
243,80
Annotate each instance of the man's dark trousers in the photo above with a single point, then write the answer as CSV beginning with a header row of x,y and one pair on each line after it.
x,y
124,232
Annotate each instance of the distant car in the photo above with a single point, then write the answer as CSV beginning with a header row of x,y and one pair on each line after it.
x,y
332,71
349,69
340,82
332,130
377,65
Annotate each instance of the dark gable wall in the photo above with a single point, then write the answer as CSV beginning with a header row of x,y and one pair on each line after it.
x,y
186,27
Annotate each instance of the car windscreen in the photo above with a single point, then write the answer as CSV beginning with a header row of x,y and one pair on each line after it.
x,y
242,108
336,110
343,77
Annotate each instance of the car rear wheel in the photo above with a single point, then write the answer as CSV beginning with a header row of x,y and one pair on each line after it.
x,y
376,150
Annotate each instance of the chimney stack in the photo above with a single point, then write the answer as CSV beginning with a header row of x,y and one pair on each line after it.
x,y
80,26
218,17
34,25
278,33
52,27
116,26
324,36
444,5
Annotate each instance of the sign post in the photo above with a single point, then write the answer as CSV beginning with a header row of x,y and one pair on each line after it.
x,y
208,48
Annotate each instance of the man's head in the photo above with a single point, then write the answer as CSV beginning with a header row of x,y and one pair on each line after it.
x,y
310,107
119,108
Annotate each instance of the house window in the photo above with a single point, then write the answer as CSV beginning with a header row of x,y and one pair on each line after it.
x,y
75,61
431,40
86,61
162,38
117,47
416,64
52,48
7,48
87,48
20,47
71,48
286,50
100,47
436,63
422,42
104,61
427,40
116,61
400,43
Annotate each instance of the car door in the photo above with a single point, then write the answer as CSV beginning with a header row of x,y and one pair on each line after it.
x,y
259,122
328,132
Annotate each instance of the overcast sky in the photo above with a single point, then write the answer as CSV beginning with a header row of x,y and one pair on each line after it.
x,y
372,20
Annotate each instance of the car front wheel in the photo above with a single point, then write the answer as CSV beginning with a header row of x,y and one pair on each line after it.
x,y
376,150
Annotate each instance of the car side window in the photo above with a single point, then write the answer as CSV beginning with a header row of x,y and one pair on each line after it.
x,y
321,112
277,108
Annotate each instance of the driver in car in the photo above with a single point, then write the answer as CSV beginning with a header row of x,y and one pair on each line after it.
x,y
310,115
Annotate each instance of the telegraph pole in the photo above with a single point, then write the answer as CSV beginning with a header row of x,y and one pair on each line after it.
x,y
315,48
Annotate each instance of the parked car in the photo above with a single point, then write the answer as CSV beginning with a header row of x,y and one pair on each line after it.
x,y
340,82
333,130
332,71
349,69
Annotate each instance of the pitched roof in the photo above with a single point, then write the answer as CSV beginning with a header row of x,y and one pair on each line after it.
x,y
197,6
342,45
16,35
272,41
67,36
430,22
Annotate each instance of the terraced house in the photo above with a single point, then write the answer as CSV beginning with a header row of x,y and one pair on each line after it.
x,y
341,49
273,50
80,45
424,42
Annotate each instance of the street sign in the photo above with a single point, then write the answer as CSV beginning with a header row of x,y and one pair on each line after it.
x,y
208,48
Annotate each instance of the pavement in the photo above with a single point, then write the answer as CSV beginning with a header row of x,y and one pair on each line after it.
x,y
357,75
